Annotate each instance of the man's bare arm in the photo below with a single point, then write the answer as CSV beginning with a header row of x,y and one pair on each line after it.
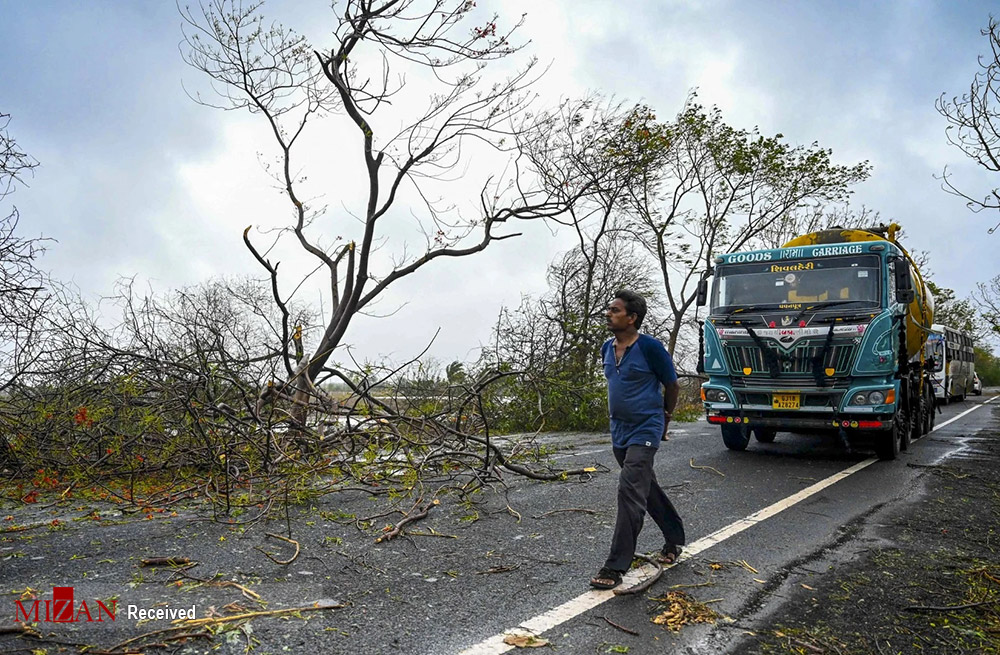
x,y
670,394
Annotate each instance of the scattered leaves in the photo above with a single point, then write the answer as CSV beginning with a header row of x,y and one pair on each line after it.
x,y
525,641
679,609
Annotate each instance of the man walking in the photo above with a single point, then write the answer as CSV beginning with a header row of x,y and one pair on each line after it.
x,y
636,366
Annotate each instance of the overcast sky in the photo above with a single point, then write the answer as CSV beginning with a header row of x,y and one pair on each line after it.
x,y
136,179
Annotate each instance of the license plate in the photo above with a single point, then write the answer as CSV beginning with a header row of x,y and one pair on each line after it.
x,y
785,401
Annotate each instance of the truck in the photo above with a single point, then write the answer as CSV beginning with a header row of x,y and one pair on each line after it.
x,y
824,334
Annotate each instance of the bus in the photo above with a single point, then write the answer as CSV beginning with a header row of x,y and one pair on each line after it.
x,y
954,365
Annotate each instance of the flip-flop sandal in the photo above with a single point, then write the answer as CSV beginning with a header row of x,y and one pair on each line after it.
x,y
606,579
669,554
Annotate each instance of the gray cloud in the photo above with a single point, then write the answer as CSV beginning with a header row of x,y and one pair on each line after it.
x,y
137,179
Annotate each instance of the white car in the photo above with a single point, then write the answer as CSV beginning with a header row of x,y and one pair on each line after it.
x,y
977,385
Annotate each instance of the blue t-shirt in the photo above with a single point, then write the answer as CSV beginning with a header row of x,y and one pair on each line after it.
x,y
635,399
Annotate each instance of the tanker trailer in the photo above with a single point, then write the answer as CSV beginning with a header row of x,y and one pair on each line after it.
x,y
825,334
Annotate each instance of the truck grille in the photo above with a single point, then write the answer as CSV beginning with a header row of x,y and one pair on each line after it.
x,y
797,363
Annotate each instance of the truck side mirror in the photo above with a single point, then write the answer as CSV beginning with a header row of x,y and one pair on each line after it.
x,y
904,282
702,292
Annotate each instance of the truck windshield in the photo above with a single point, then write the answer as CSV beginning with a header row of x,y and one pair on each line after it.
x,y
817,281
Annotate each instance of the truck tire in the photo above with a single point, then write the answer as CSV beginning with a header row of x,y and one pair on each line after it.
x,y
921,428
736,437
931,411
887,446
765,435
908,424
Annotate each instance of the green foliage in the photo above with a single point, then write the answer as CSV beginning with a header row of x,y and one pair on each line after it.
x,y
560,400
455,372
987,298
988,367
688,413
959,314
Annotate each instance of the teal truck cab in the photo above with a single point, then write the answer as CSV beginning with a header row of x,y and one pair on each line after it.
x,y
823,334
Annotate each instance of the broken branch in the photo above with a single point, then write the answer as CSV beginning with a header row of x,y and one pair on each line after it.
x,y
408,518
949,608
165,561
620,627
707,468
287,540
188,623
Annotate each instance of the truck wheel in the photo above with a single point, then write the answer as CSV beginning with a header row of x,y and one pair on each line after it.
x,y
887,446
908,428
765,435
736,437
932,406
920,428
931,410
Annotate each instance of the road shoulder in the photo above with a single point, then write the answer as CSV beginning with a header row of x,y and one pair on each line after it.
x,y
923,576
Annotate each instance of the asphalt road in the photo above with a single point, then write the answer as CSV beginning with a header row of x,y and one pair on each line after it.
x,y
760,477
509,560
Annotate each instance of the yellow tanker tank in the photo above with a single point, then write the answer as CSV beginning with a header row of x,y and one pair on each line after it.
x,y
921,314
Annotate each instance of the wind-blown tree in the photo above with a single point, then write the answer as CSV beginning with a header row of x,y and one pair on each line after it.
x,y
718,188
540,343
23,294
592,154
150,382
974,123
276,74
813,219
987,296
960,314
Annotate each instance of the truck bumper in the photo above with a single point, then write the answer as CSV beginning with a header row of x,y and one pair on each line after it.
x,y
789,421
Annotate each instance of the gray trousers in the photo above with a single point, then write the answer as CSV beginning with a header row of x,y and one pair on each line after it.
x,y
638,493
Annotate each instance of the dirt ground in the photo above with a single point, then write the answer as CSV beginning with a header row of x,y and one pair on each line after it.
x,y
930,584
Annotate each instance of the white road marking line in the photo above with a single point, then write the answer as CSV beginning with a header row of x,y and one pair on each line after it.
x,y
591,599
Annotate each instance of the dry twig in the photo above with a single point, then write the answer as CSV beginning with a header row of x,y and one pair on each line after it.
x,y
706,468
408,518
285,539
568,509
949,608
18,628
165,561
248,593
620,627
189,623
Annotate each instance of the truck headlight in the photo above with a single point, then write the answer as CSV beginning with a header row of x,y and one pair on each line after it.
x,y
860,398
716,396
876,398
